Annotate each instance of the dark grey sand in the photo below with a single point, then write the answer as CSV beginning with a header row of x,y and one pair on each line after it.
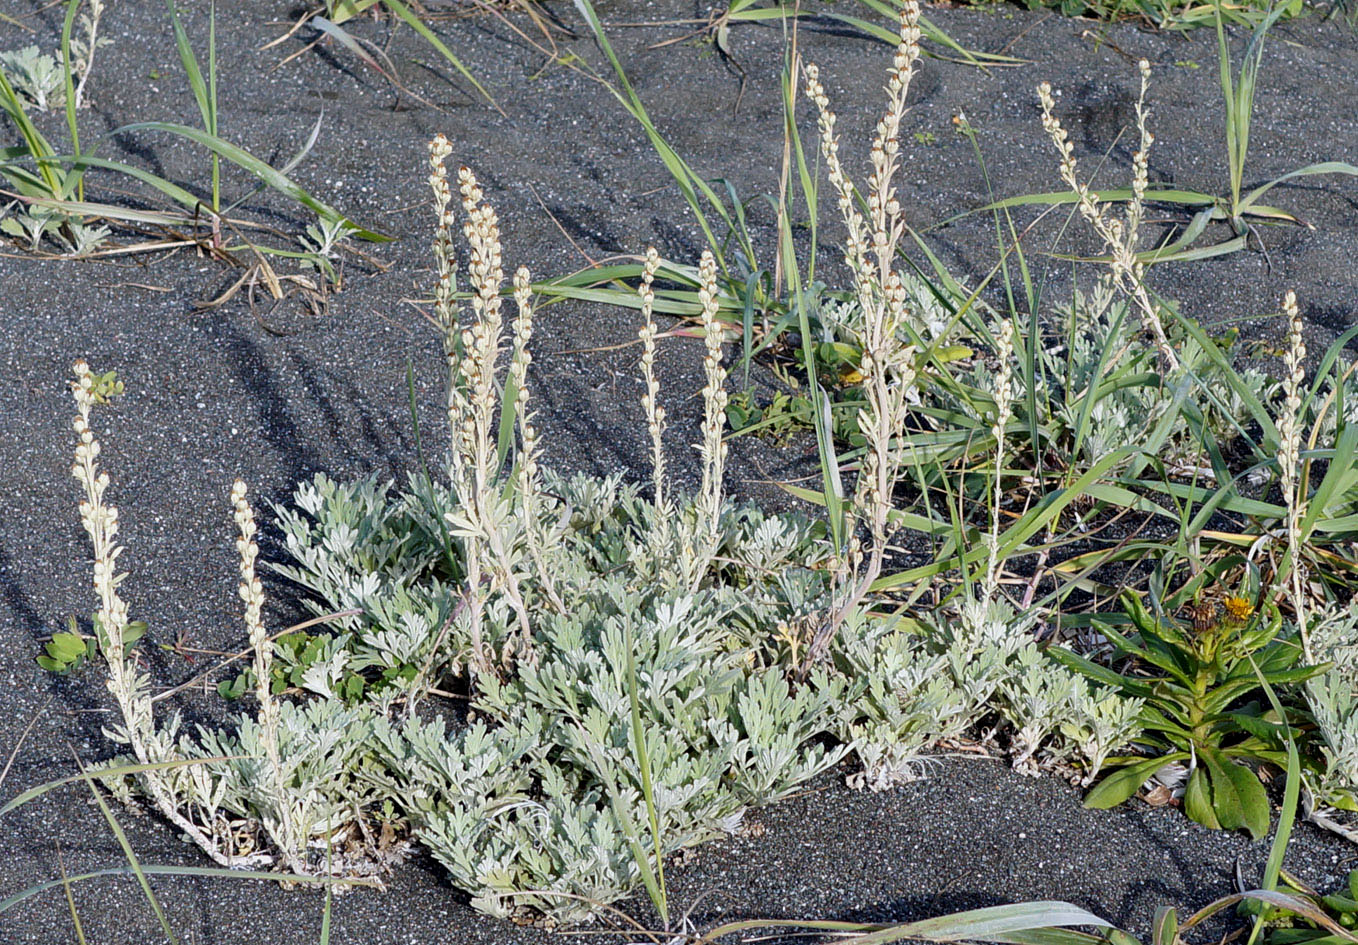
x,y
215,395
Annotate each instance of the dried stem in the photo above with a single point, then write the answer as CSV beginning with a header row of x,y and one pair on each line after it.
x,y
90,45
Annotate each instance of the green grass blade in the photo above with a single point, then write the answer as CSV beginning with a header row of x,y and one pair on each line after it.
x,y
992,924
659,897
504,438
806,178
891,12
212,100
115,771
189,61
131,857
832,489
70,900
1291,792
345,39
198,872
170,189
1332,354
325,916
1082,421
342,10
1247,394
415,23
989,923
329,899
38,148
690,184
1338,481
1310,170
85,208
747,326
287,167
605,770
68,78
1234,159
26,182
1173,195
269,175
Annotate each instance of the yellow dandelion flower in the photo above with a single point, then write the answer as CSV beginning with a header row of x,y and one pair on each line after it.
x,y
1238,609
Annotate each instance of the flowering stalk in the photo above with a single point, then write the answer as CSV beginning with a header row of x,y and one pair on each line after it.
x,y
281,825
252,593
1119,236
481,342
655,414
713,449
1290,463
130,688
101,524
475,400
529,451
1003,410
460,422
480,366
886,363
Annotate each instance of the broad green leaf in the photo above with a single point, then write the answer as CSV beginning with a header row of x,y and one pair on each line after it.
x,y
1198,800
1238,798
1123,783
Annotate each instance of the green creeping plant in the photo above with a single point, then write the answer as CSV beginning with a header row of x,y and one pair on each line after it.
x,y
1315,926
67,652
298,652
1199,684
232,689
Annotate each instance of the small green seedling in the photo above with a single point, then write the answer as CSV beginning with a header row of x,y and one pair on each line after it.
x,y
106,387
233,689
66,652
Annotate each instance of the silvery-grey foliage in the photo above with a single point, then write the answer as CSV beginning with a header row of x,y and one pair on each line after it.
x,y
36,76
935,684
312,804
1333,698
531,797
1079,345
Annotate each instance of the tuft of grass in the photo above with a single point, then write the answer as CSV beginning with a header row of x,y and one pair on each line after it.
x,y
49,185
204,92
1167,15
